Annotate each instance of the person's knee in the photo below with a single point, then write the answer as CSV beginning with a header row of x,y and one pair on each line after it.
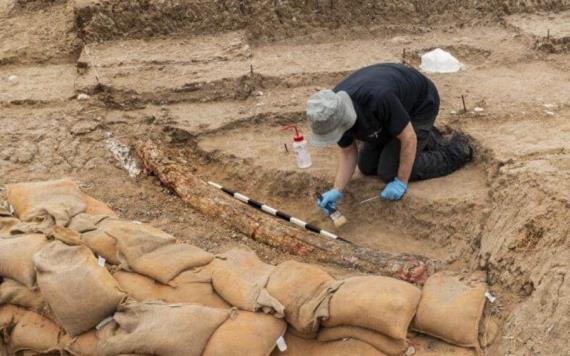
x,y
386,175
366,167
388,167
368,159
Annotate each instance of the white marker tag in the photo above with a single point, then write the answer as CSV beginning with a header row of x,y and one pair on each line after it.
x,y
281,344
298,222
329,235
269,210
101,261
241,197
104,322
491,298
137,222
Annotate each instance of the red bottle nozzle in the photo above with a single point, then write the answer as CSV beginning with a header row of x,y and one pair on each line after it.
x,y
297,137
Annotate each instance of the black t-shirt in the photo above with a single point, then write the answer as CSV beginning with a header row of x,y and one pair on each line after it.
x,y
386,98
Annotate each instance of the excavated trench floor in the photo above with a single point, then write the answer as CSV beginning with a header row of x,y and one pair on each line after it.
x,y
261,148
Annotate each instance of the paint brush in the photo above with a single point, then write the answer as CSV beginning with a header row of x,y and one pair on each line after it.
x,y
336,216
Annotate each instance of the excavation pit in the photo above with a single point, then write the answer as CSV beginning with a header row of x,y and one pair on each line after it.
x,y
213,83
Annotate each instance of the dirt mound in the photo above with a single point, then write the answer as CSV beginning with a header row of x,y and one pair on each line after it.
x,y
107,19
518,247
488,6
103,20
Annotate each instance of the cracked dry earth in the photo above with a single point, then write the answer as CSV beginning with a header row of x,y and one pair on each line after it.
x,y
220,101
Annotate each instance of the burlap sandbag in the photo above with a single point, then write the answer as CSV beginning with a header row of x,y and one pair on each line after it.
x,y
96,207
4,208
381,342
488,331
82,345
247,333
101,244
297,346
103,241
12,292
40,205
240,277
28,331
162,329
165,263
86,222
451,308
191,287
3,348
59,200
152,252
16,254
80,292
137,239
382,304
305,291
65,235
6,224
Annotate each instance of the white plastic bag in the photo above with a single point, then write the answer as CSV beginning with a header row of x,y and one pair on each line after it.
x,y
440,61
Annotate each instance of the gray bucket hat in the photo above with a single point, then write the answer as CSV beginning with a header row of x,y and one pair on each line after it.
x,y
330,115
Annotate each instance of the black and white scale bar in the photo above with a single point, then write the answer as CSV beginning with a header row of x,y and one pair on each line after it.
x,y
271,211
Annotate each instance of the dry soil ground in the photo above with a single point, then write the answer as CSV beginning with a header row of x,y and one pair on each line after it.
x,y
222,98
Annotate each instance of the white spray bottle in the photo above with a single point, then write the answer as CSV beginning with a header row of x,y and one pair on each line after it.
x,y
301,149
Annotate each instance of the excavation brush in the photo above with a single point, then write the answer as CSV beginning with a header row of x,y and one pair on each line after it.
x,y
274,212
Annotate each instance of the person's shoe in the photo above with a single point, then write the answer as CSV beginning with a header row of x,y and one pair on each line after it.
x,y
459,149
452,154
436,140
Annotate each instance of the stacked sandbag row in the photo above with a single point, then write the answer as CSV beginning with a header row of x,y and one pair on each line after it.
x,y
156,328
59,254
320,310
94,284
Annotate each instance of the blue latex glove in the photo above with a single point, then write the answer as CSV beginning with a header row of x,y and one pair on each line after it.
x,y
394,190
328,201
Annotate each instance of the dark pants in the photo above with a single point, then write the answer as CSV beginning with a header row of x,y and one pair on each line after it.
x,y
384,160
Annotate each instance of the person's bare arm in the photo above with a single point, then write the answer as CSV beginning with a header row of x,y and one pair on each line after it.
x,y
348,158
408,147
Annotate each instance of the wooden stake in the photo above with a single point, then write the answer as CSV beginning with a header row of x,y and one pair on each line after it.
x,y
464,106
176,174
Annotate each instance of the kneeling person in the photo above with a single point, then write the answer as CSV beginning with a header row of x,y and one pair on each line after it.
x,y
391,109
